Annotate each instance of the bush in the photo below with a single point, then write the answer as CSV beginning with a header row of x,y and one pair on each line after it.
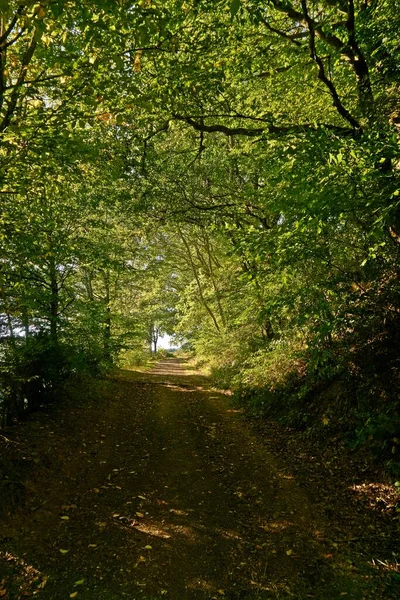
x,y
134,357
32,370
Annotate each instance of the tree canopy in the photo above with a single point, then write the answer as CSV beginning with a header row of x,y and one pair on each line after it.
x,y
226,171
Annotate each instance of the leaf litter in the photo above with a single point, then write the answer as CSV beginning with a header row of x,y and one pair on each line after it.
x,y
235,524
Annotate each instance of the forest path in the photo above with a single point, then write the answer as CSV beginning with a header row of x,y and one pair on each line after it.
x,y
160,489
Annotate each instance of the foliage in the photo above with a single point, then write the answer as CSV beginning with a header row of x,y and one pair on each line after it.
x,y
34,370
134,358
227,173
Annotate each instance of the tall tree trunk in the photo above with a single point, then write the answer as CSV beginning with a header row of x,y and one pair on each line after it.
x,y
196,276
214,280
155,336
54,299
25,322
87,280
107,318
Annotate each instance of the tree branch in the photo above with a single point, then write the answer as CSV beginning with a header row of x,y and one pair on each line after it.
x,y
29,81
16,38
350,50
337,103
26,60
11,26
277,130
196,276
359,64
298,17
283,34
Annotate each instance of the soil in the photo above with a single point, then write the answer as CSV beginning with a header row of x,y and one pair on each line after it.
x,y
154,485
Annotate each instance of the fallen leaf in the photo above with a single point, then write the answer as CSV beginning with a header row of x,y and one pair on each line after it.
x,y
73,595
116,515
289,552
65,518
80,582
142,497
3,592
148,547
92,546
139,514
63,551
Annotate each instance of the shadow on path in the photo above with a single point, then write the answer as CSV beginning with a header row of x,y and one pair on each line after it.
x,y
174,496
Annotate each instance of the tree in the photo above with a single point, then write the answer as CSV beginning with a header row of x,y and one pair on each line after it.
x,y
232,171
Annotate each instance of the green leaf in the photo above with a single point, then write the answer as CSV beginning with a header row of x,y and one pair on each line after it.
x,y
235,6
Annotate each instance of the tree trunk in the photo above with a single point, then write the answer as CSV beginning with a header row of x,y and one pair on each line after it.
x,y
154,336
107,318
54,300
196,276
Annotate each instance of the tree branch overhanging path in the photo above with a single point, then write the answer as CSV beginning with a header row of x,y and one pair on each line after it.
x,y
275,130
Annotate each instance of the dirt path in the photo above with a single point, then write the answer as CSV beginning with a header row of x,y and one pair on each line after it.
x,y
160,489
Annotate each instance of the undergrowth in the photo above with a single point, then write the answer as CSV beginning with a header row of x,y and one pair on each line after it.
x,y
347,389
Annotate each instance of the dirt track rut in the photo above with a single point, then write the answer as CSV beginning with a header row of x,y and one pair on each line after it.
x,y
163,490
